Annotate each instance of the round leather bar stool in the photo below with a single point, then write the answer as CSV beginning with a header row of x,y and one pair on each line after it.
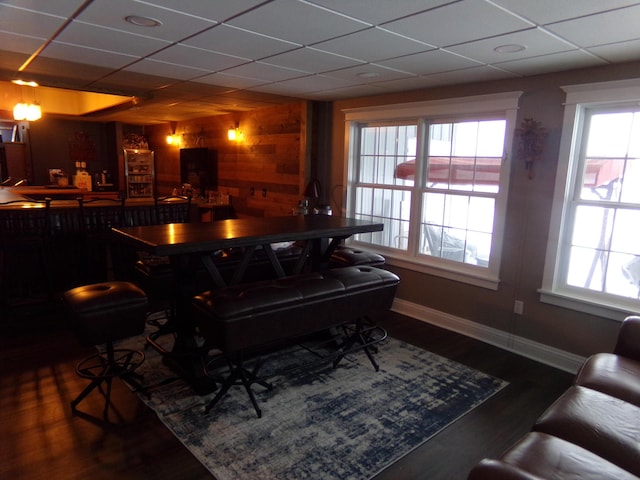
x,y
102,313
345,256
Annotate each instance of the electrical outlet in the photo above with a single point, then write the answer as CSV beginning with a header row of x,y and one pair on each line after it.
x,y
518,307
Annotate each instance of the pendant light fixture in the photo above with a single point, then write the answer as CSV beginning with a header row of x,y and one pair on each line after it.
x,y
26,111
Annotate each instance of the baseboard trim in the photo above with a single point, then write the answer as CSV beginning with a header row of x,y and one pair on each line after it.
x,y
539,352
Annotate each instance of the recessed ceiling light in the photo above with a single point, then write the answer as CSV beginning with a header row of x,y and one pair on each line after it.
x,y
24,83
369,74
143,21
510,48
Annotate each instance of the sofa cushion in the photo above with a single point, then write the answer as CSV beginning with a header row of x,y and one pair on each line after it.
x,y
538,455
604,425
612,374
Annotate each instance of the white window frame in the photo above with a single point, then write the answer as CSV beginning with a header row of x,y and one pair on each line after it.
x,y
579,98
503,104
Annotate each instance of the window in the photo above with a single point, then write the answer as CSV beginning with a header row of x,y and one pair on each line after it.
x,y
435,174
595,264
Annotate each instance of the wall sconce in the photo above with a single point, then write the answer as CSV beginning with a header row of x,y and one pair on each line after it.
x,y
27,111
173,139
234,134
531,136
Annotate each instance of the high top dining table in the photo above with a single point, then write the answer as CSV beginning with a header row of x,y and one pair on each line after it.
x,y
189,244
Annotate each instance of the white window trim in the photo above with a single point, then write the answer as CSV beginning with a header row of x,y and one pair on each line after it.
x,y
503,103
579,98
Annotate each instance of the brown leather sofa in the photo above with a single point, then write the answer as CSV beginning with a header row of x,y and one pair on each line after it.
x,y
592,431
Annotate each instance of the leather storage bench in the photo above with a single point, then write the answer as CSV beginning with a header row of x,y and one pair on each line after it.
x,y
245,317
250,315
592,431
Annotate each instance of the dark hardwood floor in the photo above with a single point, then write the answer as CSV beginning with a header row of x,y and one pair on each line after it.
x,y
42,439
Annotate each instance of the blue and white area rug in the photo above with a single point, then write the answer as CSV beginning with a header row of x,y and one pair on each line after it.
x,y
350,422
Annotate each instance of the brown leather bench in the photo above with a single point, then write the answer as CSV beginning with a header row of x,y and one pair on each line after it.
x,y
240,318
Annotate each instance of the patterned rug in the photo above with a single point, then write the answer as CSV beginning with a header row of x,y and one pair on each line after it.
x,y
350,422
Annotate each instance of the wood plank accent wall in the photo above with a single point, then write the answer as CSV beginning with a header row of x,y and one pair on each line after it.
x,y
272,157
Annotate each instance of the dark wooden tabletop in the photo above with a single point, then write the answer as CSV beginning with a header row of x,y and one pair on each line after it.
x,y
184,238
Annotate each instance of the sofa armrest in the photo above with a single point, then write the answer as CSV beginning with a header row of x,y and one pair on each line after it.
x,y
628,344
489,469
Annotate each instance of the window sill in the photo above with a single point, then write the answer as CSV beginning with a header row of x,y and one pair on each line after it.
x,y
585,305
481,278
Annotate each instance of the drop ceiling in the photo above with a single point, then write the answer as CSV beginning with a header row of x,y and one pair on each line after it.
x,y
210,57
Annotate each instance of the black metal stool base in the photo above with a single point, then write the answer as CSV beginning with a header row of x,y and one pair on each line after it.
x,y
238,375
104,367
362,336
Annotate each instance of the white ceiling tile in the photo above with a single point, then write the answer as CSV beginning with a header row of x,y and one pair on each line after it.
x,y
458,23
618,52
554,62
379,11
406,84
268,73
368,73
112,13
61,8
346,92
20,43
197,58
620,25
88,55
127,80
297,22
311,60
231,81
83,34
429,62
547,11
213,10
303,85
358,45
163,69
475,74
25,22
241,43
536,41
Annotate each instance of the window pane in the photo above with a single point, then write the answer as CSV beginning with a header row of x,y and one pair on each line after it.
x,y
457,227
382,149
592,227
625,232
586,268
468,159
609,134
391,207
600,179
623,275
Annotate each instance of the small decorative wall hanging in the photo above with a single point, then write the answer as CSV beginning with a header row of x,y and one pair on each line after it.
x,y
531,136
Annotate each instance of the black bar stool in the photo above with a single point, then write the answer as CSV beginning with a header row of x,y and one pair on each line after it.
x,y
101,314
